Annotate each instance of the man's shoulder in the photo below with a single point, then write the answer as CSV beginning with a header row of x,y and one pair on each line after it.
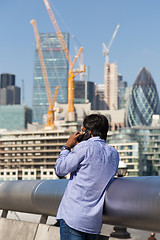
x,y
112,150
82,144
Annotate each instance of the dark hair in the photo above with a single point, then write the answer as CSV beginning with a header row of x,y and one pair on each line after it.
x,y
97,124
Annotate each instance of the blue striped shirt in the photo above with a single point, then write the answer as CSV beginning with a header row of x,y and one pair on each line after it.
x,y
92,164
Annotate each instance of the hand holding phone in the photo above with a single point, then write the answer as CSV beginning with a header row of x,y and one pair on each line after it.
x,y
72,140
85,136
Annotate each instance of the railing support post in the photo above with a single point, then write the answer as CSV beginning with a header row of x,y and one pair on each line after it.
x,y
120,232
43,219
4,213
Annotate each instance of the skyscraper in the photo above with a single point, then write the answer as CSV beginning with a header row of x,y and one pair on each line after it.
x,y
111,85
57,71
122,85
100,103
9,93
144,101
84,91
7,79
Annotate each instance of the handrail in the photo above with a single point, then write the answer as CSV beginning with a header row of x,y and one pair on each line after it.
x,y
130,202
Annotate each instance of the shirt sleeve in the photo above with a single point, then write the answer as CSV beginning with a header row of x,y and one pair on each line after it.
x,y
68,162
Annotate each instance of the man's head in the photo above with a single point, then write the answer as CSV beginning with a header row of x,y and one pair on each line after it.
x,y
97,124
152,234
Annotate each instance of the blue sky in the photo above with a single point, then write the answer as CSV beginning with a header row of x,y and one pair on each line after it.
x,y
137,43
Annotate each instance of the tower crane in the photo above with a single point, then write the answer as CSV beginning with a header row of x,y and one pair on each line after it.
x,y
72,72
105,49
80,63
51,101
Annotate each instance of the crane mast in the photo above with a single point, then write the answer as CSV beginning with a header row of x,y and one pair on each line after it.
x,y
51,102
50,115
72,73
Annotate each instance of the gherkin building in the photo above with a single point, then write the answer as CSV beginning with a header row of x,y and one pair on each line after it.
x,y
144,100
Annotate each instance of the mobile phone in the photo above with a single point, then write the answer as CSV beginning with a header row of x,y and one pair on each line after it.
x,y
85,136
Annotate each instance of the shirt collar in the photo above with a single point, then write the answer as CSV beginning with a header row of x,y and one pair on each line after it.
x,y
96,138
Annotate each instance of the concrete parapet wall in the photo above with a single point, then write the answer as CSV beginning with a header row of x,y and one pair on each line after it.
x,y
47,232
19,230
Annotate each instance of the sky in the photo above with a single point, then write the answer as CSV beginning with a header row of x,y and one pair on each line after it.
x,y
91,22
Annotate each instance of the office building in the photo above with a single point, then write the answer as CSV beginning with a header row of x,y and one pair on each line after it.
x,y
57,71
15,117
7,80
84,92
139,148
27,155
100,101
144,100
127,146
9,93
122,86
111,86
149,140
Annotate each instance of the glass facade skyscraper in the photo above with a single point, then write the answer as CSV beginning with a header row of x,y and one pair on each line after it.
x,y
144,100
84,91
9,93
57,71
15,117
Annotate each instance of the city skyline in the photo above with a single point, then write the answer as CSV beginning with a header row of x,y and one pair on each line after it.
x,y
136,44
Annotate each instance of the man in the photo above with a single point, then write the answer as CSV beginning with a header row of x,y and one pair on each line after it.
x,y
92,165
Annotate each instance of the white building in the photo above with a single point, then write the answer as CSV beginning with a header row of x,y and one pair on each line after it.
x,y
111,85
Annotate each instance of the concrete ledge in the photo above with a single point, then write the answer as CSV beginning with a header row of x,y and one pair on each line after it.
x,y
21,230
47,232
17,230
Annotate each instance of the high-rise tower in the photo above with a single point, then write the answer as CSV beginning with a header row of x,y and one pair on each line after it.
x,y
57,71
110,77
144,101
111,85
122,85
9,93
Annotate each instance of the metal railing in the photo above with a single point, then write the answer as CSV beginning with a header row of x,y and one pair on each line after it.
x,y
130,202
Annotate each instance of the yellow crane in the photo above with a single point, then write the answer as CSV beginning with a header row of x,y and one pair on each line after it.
x,y
51,101
72,72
